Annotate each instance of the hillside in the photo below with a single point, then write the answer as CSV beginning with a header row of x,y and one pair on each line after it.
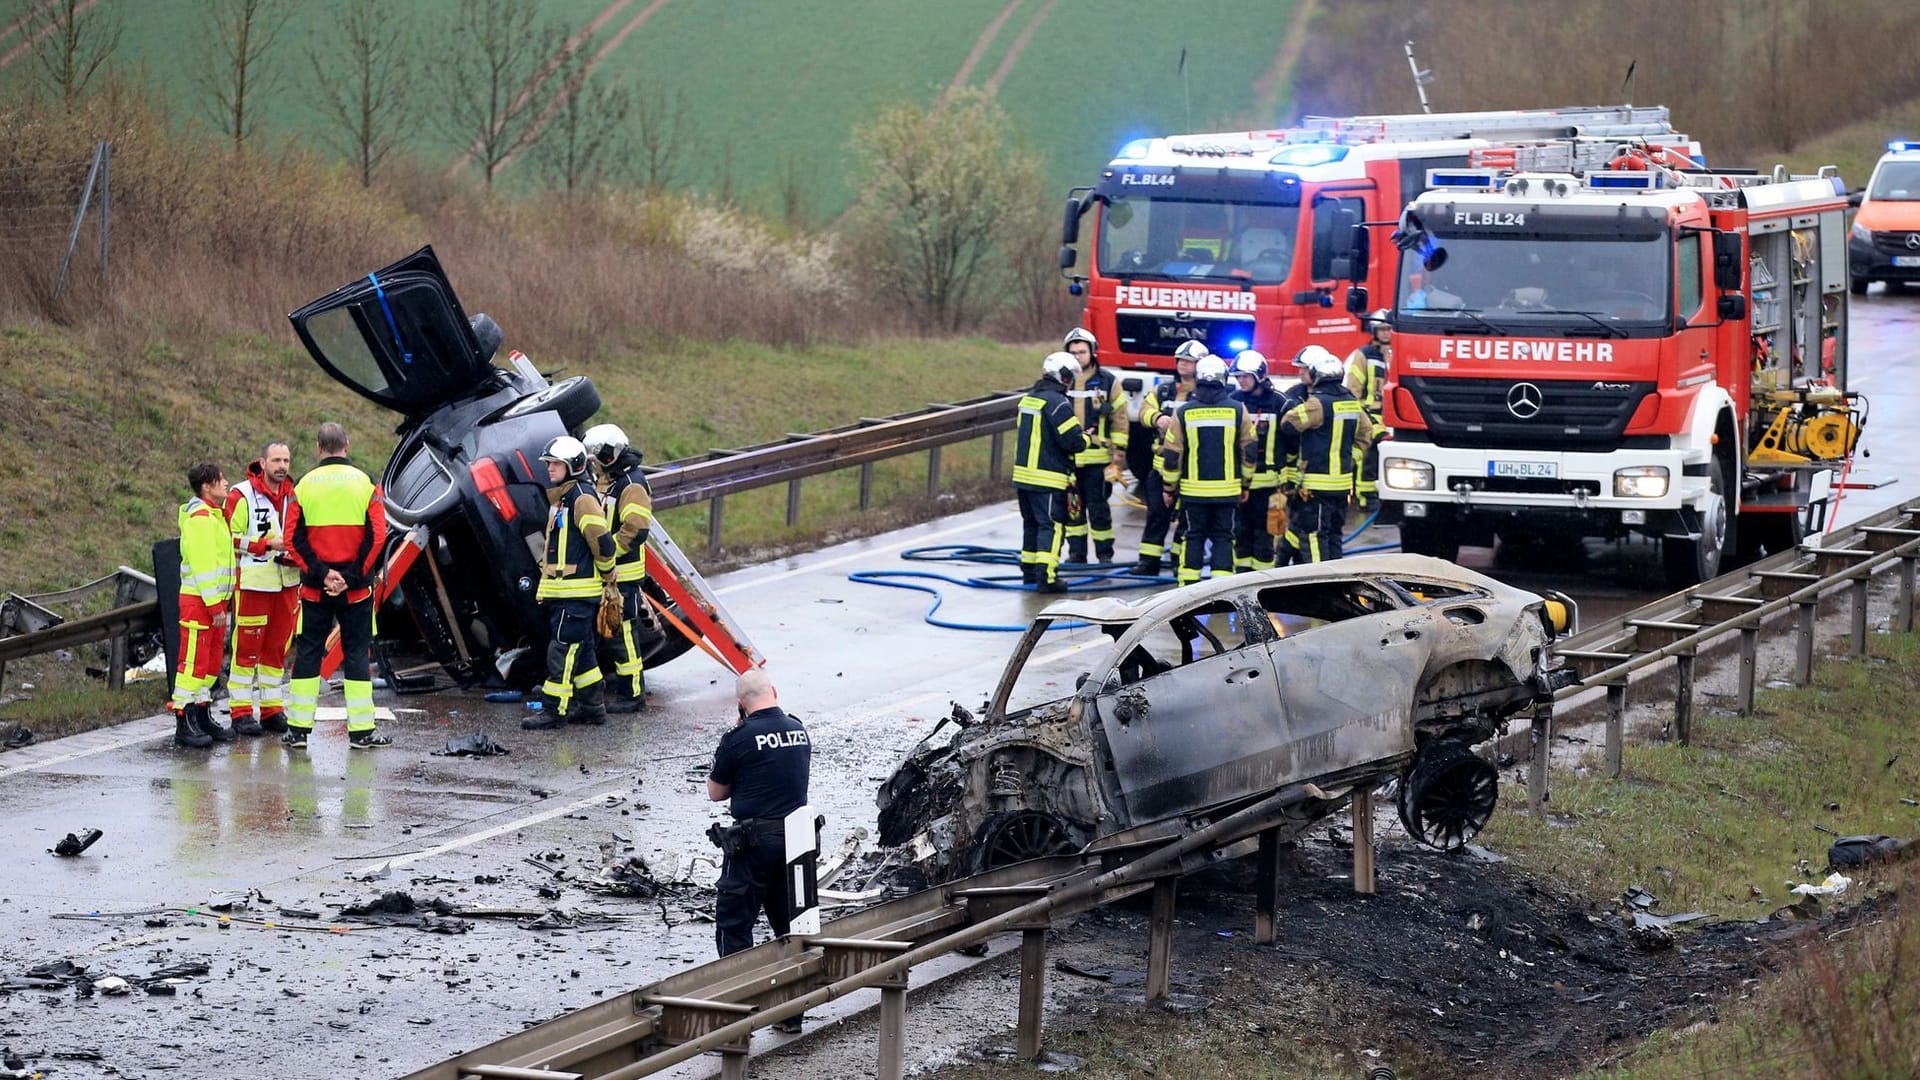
x,y
775,87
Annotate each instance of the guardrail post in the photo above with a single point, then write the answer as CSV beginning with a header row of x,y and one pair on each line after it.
x,y
1539,744
933,472
1804,611
997,455
1683,699
715,511
1903,607
1160,940
1858,588
1749,665
733,1063
1616,726
793,503
1033,984
866,485
1266,889
893,1028
1363,841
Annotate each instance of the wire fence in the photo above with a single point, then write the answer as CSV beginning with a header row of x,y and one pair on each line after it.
x,y
46,208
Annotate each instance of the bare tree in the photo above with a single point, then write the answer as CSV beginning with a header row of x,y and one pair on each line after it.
x,y
235,72
363,82
659,124
937,193
584,128
796,203
72,39
501,51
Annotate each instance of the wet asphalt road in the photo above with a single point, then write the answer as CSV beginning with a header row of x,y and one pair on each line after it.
x,y
855,661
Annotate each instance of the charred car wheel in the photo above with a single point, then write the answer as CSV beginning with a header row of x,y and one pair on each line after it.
x,y
1008,838
1448,796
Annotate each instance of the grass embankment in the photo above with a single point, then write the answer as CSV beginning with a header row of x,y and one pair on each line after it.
x,y
1705,828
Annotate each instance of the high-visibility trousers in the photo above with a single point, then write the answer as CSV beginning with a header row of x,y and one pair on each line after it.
x,y
264,623
317,618
200,653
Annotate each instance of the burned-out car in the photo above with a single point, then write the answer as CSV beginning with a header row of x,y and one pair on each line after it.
x,y
465,477
1131,721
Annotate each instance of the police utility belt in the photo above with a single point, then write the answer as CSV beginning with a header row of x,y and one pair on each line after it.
x,y
734,839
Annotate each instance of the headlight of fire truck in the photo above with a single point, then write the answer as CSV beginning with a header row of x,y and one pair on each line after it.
x,y
1862,234
1407,474
1640,482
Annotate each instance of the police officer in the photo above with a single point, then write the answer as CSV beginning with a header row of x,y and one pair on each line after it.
x,y
629,500
1332,432
1207,448
1252,543
576,572
762,766
1157,415
1046,439
1093,396
1366,377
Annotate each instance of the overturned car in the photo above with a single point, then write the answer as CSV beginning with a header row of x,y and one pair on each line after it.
x,y
465,489
1134,720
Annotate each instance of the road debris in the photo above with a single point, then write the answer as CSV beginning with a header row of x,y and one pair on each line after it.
x,y
74,844
474,745
396,908
1863,850
20,736
1834,885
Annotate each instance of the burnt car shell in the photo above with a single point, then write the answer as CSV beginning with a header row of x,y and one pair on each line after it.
x,y
1192,702
467,466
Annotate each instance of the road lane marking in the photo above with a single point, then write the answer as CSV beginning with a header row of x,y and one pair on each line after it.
x,y
153,727
498,830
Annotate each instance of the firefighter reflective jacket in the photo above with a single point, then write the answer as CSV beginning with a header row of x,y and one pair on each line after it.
x,y
206,559
257,513
630,501
1103,435
1264,406
1367,374
1162,399
1047,437
336,523
1332,432
580,548
1207,444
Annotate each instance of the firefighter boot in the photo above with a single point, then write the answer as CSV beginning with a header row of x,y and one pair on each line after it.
x,y
187,733
589,705
549,716
1026,573
274,720
623,702
1076,552
245,724
1103,553
1148,566
211,726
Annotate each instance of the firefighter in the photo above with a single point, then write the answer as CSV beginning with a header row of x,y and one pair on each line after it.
x,y
1157,415
336,530
267,602
761,767
630,502
1288,545
1330,431
1095,468
1252,542
1366,377
1047,438
1208,443
206,584
578,569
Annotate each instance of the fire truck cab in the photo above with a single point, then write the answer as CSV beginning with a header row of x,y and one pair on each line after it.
x,y
1603,339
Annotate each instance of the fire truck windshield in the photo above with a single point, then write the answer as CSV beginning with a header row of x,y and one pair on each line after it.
x,y
1189,240
1535,283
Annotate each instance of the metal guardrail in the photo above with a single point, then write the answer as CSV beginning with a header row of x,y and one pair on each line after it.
x,y
31,626
718,1006
713,476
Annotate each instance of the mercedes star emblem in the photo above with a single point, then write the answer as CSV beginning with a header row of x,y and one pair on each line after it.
x,y
1913,240
1524,401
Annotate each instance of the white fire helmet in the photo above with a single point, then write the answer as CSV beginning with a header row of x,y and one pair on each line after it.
x,y
605,442
1250,362
1192,350
1061,366
1211,369
568,451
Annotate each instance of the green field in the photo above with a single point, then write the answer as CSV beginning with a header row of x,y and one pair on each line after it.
x,y
777,86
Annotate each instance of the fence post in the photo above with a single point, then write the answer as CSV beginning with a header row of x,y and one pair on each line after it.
x,y
1683,699
997,455
106,204
933,473
893,1028
715,511
1859,590
1749,663
73,234
1903,607
1033,984
1540,747
1616,726
1804,612
1160,940
1363,840
1266,888
793,503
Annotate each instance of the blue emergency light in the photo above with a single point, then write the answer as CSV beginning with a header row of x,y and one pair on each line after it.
x,y
1903,146
1309,154
1473,181
1134,150
1627,181
1238,345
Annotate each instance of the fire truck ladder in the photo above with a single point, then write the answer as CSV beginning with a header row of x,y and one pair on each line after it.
x,y
1610,121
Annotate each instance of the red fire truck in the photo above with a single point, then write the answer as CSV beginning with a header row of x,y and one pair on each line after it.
x,y
1244,239
1599,338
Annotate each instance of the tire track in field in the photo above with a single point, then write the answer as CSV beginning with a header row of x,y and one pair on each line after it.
x,y
539,78
1266,88
553,107
980,46
22,48
1019,46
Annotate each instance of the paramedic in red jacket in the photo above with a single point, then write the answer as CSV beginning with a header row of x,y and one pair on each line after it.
x,y
267,602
